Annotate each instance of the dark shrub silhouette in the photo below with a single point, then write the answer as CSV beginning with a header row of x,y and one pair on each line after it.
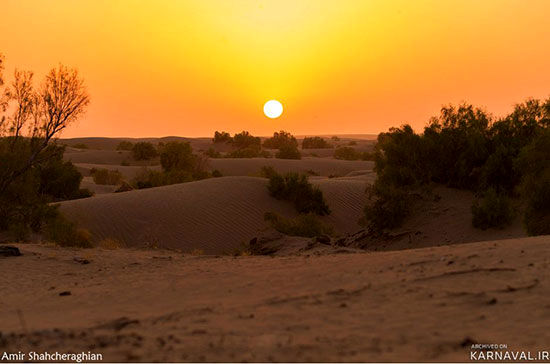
x,y
465,148
244,140
315,143
103,176
125,145
222,137
296,188
492,210
177,156
306,225
288,151
280,139
144,151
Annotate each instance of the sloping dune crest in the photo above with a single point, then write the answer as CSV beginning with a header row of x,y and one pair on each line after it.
x,y
320,166
215,215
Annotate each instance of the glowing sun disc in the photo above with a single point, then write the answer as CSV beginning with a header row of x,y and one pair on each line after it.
x,y
273,109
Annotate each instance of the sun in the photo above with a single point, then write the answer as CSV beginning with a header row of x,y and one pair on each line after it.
x,y
273,109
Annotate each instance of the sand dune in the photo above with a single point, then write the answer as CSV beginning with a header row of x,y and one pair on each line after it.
x,y
215,215
206,210
321,166
128,172
427,304
98,156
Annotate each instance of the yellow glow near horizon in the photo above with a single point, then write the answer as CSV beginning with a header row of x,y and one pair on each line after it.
x,y
190,67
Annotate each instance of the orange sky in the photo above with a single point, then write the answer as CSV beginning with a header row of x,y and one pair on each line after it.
x,y
156,68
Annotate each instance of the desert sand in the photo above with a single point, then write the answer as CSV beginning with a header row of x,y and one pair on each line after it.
x,y
174,291
426,304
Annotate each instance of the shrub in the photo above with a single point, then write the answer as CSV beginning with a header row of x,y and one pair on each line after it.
x,y
493,210
103,176
124,163
111,244
288,151
267,171
216,173
212,153
125,145
246,140
347,153
315,143
281,139
80,146
222,137
306,225
177,156
24,204
534,163
144,151
252,151
65,233
352,142
389,208
296,188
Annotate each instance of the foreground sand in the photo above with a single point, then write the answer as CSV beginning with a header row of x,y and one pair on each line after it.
x,y
412,305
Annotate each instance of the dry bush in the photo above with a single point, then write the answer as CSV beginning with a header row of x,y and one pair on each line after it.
x,y
111,244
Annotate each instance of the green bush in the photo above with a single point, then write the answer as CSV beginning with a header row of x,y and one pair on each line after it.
x,y
24,204
222,137
125,145
347,153
306,225
144,151
213,153
389,209
103,176
315,143
534,163
65,233
246,140
281,139
252,151
492,210
288,151
177,156
296,188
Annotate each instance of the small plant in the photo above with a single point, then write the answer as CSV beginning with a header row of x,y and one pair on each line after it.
x,y
103,176
296,188
111,244
315,143
288,151
197,252
124,163
125,145
222,137
144,151
80,146
493,210
213,153
306,225
65,233
280,139
347,153
216,173
389,208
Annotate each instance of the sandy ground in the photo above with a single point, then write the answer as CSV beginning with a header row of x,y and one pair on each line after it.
x,y
416,305
216,215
